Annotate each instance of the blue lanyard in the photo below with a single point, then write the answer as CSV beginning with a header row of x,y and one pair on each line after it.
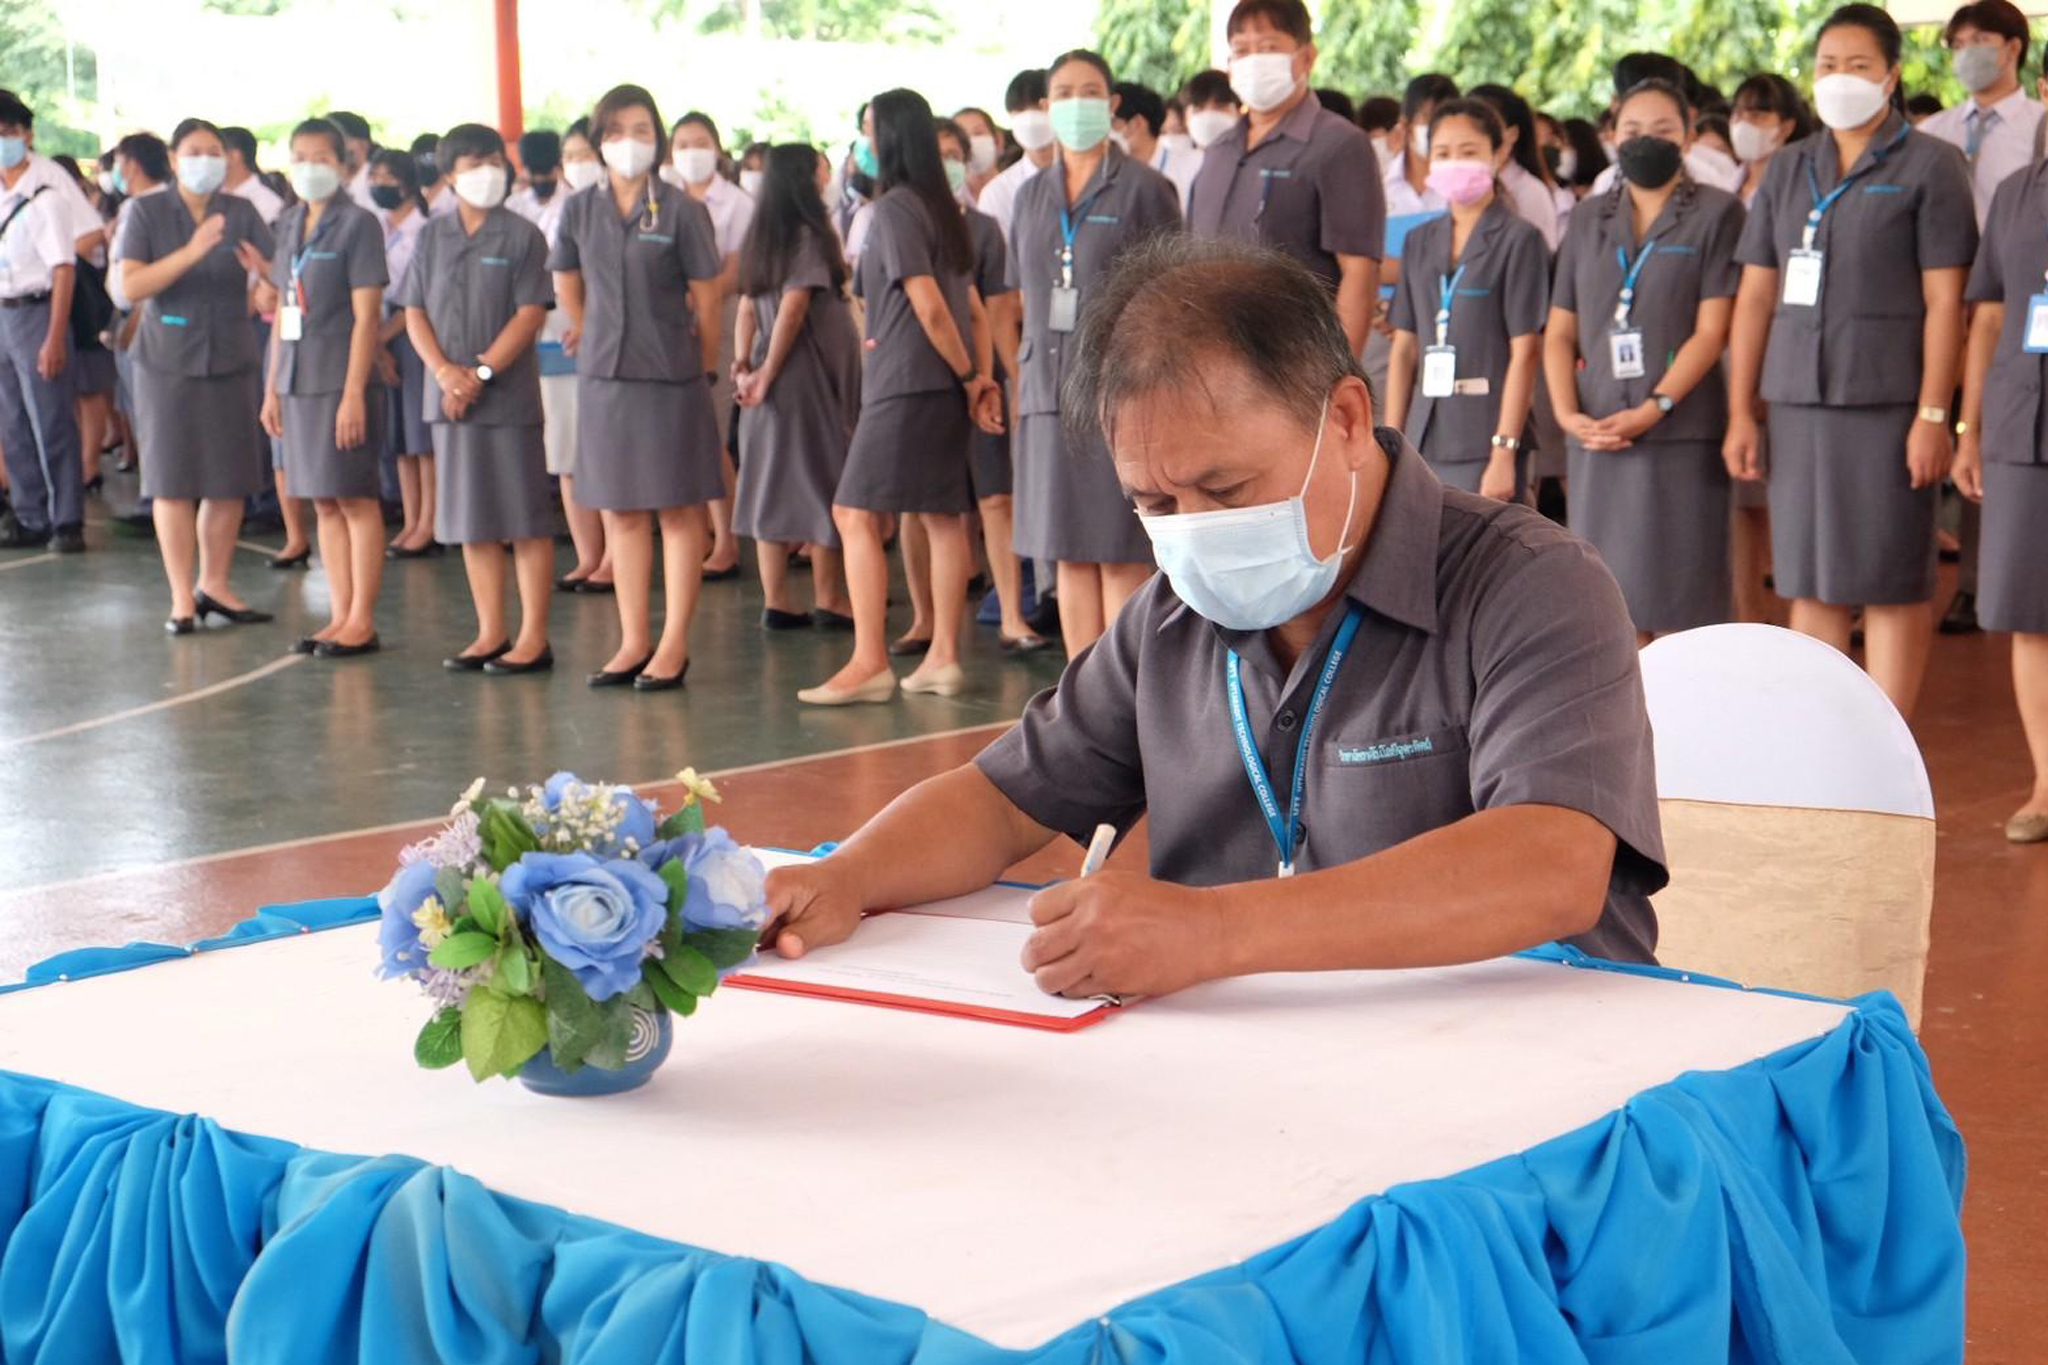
x,y
298,298
1070,223
1446,295
1630,273
1822,205
1287,835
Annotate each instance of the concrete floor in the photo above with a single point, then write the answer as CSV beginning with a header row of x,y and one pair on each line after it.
x,y
296,782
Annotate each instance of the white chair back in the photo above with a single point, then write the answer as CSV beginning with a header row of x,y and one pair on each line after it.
x,y
1798,819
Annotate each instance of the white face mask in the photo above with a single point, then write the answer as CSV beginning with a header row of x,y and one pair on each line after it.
x,y
1753,142
314,181
751,182
1206,125
1567,165
581,175
1123,144
1033,128
1418,142
629,156
1179,144
1263,80
202,174
1844,101
698,164
981,154
671,174
481,187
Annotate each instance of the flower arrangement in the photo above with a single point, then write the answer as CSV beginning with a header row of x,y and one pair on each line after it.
x,y
564,918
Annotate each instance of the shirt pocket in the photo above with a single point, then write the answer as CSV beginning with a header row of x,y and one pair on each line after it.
x,y
1387,788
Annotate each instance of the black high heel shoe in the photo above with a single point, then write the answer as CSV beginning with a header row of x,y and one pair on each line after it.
x,y
297,561
181,625
241,616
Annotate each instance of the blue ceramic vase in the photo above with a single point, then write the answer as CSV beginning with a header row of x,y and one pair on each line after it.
x,y
653,1035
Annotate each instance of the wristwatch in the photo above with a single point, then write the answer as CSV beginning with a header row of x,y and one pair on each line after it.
x,y
1665,403
484,373
968,378
1506,443
1938,416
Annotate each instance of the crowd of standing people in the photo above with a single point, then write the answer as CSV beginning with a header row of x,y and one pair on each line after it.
x,y
1738,343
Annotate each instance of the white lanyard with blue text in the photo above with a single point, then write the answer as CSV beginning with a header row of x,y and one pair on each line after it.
x,y
1625,342
1803,263
1065,306
1286,833
291,312
1440,362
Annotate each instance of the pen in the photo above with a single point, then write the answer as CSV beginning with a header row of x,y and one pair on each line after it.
x,y
1098,850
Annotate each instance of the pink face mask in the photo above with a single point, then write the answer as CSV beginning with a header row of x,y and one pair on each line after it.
x,y
1461,182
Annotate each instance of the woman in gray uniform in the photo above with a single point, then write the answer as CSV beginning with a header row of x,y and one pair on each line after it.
x,y
637,267
186,255
925,387
2002,457
1849,325
329,271
1646,279
798,385
1071,222
1468,315
475,297
395,190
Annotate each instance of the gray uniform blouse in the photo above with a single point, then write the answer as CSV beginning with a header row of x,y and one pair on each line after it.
x,y
1123,202
1692,258
470,286
1495,666
1311,189
346,254
1504,293
1911,211
2012,267
199,327
902,244
638,322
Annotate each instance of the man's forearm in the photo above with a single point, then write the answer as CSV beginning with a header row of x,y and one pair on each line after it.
x,y
1493,883
951,835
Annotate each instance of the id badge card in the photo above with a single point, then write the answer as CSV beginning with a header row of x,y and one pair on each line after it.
x,y
1802,279
2037,325
1064,309
291,322
1439,371
1625,351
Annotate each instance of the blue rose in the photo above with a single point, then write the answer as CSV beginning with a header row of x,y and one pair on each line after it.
x,y
594,918
398,937
636,817
728,885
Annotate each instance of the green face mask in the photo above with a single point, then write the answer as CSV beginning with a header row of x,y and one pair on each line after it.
x,y
864,158
1080,124
956,174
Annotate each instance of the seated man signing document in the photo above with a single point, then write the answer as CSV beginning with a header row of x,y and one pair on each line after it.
x,y
1376,722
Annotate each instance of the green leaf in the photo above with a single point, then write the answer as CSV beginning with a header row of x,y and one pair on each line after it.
x,y
642,996
501,1034
440,1042
487,904
727,948
515,971
678,879
690,970
667,991
448,889
688,820
615,1035
575,1024
459,951
505,834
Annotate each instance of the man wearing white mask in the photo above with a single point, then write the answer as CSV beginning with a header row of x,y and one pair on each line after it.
x,y
1139,129
1031,125
1291,174
1213,108
1374,722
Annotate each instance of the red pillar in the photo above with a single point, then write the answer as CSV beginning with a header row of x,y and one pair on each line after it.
x,y
511,109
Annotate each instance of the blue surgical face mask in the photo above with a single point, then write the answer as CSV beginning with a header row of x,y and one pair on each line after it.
x,y
864,158
1249,568
13,151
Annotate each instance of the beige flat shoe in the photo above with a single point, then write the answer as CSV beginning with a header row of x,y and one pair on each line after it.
x,y
2027,829
949,681
880,688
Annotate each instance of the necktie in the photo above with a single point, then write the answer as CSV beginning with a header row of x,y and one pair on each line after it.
x,y
1981,123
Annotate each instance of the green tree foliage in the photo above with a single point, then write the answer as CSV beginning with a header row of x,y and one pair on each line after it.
x,y
919,22
1159,43
1365,48
55,79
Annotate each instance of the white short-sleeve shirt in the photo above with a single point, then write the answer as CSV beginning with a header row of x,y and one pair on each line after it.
x,y
267,202
2005,145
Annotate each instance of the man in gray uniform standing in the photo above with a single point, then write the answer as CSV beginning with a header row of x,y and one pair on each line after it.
x,y
1292,175
1375,722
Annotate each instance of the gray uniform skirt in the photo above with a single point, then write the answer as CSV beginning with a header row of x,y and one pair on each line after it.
x,y
1658,514
313,466
990,466
407,431
493,484
645,445
2012,549
792,456
1847,527
1070,506
199,437
95,371
909,454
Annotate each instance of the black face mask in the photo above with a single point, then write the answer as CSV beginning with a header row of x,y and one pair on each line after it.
x,y
544,190
1650,162
386,197
1553,157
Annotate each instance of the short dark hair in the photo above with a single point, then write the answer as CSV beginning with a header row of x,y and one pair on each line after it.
x,y
540,151
1633,68
322,127
618,100
467,139
1208,87
1338,103
424,149
1654,86
351,125
1283,16
148,152
242,142
580,128
189,126
1425,91
403,167
1871,20
1923,105
1479,111
1224,299
1082,54
1585,140
14,113
1140,102
1379,113
702,120
1991,16
1027,89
